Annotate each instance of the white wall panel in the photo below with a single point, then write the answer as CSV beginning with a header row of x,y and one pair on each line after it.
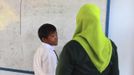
x,y
121,30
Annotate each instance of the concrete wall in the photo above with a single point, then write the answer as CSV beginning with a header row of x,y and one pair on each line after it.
x,y
20,20
121,30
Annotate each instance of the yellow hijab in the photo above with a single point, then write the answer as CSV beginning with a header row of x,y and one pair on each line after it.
x,y
90,35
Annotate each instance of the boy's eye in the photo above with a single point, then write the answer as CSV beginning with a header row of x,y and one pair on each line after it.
x,y
52,35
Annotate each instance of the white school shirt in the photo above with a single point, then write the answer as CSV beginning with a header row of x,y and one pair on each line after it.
x,y
45,60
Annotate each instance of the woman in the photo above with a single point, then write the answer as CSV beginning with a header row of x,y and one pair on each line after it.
x,y
90,52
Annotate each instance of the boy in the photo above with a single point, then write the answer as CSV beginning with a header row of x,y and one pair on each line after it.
x,y
45,59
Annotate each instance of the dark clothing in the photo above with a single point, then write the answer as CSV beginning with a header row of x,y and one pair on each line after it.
x,y
75,61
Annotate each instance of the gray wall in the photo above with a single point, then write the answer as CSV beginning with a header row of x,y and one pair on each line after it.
x,y
20,20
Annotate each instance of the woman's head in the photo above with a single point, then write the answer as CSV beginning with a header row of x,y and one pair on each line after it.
x,y
88,18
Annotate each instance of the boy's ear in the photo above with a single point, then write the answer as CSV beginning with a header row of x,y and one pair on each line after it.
x,y
44,39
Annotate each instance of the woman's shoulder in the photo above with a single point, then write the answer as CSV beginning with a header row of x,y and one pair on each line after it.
x,y
72,43
113,44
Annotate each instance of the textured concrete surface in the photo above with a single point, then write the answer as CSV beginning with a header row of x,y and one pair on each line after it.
x,y
19,22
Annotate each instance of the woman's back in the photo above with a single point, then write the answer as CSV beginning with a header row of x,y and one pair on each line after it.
x,y
75,61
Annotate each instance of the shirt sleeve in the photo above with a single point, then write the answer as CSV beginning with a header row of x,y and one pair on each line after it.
x,y
41,63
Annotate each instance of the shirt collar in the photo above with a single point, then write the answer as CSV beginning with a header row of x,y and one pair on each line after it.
x,y
48,46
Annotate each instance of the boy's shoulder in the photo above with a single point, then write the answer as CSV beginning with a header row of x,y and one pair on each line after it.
x,y
42,48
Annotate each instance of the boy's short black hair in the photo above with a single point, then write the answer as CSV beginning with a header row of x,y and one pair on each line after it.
x,y
45,30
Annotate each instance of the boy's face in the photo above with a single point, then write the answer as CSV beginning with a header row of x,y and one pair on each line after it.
x,y
52,39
